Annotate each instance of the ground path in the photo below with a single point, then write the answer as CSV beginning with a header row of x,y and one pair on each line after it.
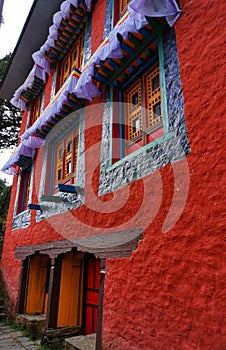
x,y
12,339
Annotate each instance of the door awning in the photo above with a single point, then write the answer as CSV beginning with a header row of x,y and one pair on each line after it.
x,y
112,245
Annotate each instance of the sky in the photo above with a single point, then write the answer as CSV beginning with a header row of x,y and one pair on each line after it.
x,y
15,13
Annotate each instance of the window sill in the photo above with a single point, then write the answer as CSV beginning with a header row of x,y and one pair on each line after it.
x,y
141,150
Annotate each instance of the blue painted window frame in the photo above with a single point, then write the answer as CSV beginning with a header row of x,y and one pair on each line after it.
x,y
160,59
25,177
169,148
52,149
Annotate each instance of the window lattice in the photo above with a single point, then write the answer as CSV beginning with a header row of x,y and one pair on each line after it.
x,y
66,158
65,69
73,60
59,161
133,98
27,188
81,51
123,5
153,95
36,109
76,149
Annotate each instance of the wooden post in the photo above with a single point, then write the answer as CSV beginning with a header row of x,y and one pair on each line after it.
x,y
23,286
100,304
53,292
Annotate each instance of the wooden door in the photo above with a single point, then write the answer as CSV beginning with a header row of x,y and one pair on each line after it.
x,y
37,285
71,291
92,294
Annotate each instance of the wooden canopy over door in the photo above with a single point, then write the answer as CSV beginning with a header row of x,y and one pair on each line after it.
x,y
37,296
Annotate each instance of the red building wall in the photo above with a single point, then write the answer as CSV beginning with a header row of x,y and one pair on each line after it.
x,y
170,293
172,290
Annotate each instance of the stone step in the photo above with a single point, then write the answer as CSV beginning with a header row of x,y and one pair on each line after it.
x,y
34,324
81,342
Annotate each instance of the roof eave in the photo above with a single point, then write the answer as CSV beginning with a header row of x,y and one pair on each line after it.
x,y
30,40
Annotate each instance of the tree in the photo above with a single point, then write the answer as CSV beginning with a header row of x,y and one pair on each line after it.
x,y
3,64
4,204
10,118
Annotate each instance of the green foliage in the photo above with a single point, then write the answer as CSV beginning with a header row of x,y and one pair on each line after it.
x,y
4,204
10,118
3,64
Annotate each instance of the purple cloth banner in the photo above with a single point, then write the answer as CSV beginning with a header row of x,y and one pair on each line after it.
x,y
27,149
38,56
157,8
35,72
1,9
22,150
135,21
53,108
84,87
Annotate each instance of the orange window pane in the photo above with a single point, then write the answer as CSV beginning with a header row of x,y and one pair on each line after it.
x,y
123,5
36,109
27,189
59,163
74,57
153,97
68,156
134,112
75,151
65,70
81,52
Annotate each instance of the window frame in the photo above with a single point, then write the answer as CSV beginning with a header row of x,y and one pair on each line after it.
x,y
37,107
159,60
70,61
144,128
48,184
67,156
169,148
24,190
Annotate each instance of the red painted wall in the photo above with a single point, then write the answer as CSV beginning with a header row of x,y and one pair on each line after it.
x,y
170,293
98,17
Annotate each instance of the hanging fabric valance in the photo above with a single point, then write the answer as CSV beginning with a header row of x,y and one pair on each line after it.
x,y
32,86
1,8
22,156
82,86
30,89
55,106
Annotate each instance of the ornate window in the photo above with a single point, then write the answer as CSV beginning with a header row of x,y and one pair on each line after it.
x,y
36,109
66,153
63,160
147,123
25,187
141,122
74,59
